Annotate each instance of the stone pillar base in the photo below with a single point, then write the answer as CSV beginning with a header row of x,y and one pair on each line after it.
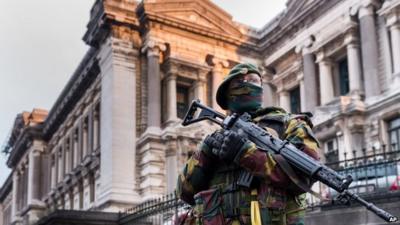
x,y
151,164
172,122
35,213
117,199
17,221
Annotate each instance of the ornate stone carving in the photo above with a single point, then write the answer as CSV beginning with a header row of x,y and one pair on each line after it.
x,y
153,47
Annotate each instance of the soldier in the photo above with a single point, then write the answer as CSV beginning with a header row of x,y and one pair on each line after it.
x,y
209,179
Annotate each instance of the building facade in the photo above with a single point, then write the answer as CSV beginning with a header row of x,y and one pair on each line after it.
x,y
113,139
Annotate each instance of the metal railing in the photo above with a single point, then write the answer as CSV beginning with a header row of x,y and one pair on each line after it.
x,y
161,211
376,175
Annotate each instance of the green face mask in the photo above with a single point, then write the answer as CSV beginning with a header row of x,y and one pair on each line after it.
x,y
245,97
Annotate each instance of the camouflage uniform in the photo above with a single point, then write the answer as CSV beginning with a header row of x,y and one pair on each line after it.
x,y
277,205
209,184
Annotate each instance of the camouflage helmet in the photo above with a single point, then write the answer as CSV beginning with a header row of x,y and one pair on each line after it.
x,y
239,69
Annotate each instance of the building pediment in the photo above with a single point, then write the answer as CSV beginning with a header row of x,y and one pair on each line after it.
x,y
200,15
297,8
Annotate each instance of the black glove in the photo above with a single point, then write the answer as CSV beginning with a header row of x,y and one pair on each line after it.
x,y
231,146
214,142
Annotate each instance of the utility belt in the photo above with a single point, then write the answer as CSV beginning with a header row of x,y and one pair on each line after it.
x,y
213,207
236,201
219,206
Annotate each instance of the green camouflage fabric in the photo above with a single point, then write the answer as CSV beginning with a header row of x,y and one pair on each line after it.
x,y
238,70
206,183
244,97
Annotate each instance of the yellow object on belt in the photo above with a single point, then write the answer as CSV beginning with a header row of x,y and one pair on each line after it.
x,y
255,210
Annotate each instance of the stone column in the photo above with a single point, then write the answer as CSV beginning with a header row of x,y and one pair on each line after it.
x,y
171,165
117,60
268,94
22,190
25,190
153,84
56,165
90,131
171,99
354,64
199,87
217,78
325,79
20,187
369,50
15,196
395,37
53,170
67,201
96,129
68,153
85,136
303,95
392,15
86,193
76,202
268,90
75,148
284,100
310,79
60,157
34,178
80,141
66,156
97,181
71,151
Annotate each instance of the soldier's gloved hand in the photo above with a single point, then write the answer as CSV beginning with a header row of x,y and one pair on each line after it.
x,y
213,143
232,146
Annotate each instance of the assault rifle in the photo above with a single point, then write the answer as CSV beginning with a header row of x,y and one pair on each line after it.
x,y
295,157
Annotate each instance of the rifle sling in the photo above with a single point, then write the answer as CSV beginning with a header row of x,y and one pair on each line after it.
x,y
287,168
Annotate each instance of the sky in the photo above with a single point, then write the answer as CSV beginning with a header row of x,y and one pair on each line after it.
x,y
41,46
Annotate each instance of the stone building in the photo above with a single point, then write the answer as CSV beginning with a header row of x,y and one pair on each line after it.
x,y
113,138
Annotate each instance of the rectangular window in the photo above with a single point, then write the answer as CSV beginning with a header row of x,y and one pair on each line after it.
x,y
394,134
343,77
295,106
331,145
182,100
331,150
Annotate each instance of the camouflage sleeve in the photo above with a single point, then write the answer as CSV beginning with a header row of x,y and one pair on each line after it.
x,y
263,165
195,175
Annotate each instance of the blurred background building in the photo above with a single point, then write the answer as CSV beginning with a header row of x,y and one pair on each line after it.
x,y
113,139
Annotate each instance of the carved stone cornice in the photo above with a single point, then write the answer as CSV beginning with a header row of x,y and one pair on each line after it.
x,y
23,143
288,78
304,46
321,57
288,25
218,63
365,8
199,17
186,69
391,11
76,87
153,46
111,17
331,45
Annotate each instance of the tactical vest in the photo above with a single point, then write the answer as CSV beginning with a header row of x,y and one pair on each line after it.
x,y
236,200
